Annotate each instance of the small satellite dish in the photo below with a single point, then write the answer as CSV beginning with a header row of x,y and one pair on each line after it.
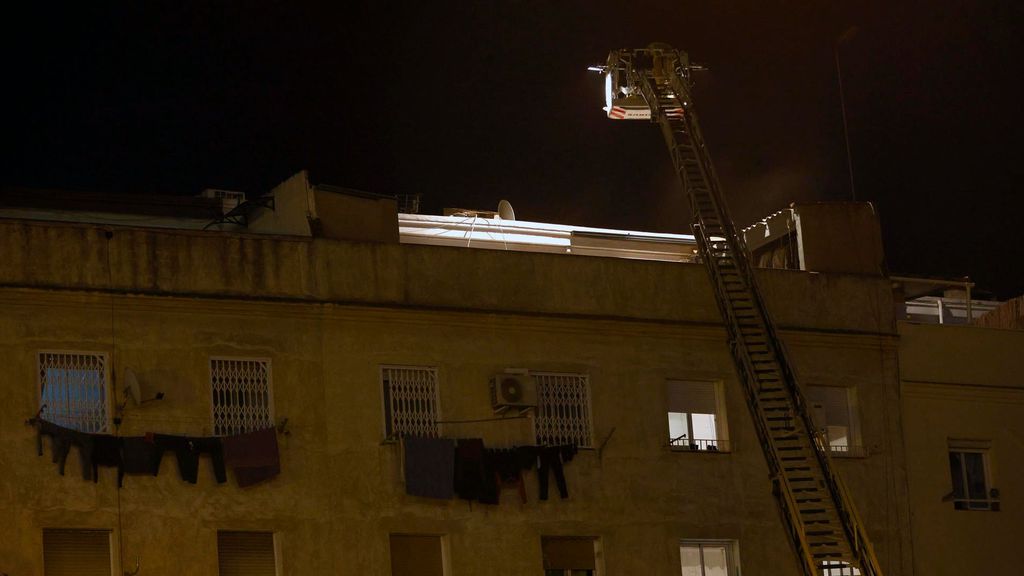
x,y
131,387
505,211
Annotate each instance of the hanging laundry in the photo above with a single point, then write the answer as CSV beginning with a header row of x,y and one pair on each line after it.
x,y
107,452
187,450
253,456
429,467
469,468
552,459
139,456
61,441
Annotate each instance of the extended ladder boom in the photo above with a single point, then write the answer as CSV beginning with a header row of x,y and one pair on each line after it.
x,y
654,83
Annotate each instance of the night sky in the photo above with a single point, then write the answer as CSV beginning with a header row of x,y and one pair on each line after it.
x,y
473,101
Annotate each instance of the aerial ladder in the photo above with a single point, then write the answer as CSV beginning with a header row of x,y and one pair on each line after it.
x,y
654,84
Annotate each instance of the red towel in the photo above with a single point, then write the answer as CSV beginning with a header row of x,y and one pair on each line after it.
x,y
253,456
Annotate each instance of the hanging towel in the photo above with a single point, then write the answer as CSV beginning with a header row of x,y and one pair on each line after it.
x,y
429,467
253,456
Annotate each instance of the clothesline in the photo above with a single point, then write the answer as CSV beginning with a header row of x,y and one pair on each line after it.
x,y
476,420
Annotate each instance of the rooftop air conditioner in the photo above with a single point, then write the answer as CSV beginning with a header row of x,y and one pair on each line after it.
x,y
229,198
515,391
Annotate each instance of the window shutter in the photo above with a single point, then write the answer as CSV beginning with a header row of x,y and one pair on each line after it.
x,y
246,554
416,555
76,553
691,397
568,553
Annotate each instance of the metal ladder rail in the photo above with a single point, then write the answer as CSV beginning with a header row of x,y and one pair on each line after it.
x,y
694,168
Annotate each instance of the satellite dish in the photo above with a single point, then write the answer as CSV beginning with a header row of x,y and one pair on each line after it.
x,y
505,211
131,387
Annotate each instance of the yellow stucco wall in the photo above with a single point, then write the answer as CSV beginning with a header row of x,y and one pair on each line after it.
x,y
963,383
329,314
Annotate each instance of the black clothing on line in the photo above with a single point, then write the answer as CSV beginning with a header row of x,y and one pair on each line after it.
x,y
107,452
552,458
61,441
187,451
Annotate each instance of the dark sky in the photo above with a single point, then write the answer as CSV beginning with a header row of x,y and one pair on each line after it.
x,y
473,101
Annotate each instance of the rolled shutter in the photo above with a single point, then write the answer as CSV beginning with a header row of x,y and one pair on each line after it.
x,y
691,397
246,554
568,553
76,552
416,555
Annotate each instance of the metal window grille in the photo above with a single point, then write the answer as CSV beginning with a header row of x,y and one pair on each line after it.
x,y
563,409
410,401
837,568
242,400
73,390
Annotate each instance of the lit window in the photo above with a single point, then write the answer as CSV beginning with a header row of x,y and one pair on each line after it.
x,y
410,401
563,409
67,552
246,554
838,568
832,410
569,555
969,470
416,555
708,558
242,400
73,390
695,416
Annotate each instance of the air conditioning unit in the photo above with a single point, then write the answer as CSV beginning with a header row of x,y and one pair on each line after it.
x,y
513,390
229,198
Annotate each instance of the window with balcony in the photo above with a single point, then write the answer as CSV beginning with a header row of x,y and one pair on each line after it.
x,y
708,558
833,412
569,555
246,554
696,416
242,400
73,390
971,476
411,404
563,409
76,552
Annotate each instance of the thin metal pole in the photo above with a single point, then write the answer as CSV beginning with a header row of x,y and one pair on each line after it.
x,y
842,106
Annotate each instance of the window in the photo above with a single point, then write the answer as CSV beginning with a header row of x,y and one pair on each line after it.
x,y
246,554
241,395
73,390
414,555
569,555
410,401
708,558
563,409
76,552
695,416
969,470
838,568
832,412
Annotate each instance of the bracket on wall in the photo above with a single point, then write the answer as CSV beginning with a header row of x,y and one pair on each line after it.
x,y
600,449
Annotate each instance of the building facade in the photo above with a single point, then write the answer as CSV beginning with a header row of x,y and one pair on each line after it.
x,y
344,346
